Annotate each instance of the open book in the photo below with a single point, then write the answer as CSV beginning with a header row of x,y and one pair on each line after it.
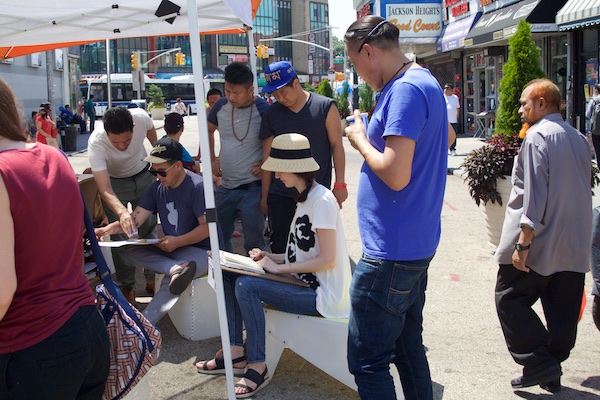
x,y
246,266
237,261
130,241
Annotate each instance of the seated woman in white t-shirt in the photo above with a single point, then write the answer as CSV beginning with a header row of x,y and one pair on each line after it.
x,y
316,253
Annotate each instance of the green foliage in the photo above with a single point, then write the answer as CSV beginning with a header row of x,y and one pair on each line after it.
x,y
366,103
493,161
310,88
522,66
156,96
338,47
325,89
342,101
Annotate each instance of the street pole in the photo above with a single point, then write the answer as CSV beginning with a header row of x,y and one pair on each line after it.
x,y
108,88
331,48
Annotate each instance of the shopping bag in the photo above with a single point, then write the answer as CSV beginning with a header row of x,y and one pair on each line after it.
x,y
134,342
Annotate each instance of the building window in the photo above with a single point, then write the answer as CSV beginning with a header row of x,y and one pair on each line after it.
x,y
35,60
319,19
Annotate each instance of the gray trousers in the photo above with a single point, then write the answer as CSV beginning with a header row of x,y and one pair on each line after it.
x,y
161,262
130,191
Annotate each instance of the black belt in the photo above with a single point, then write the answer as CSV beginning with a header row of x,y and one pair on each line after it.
x,y
247,186
139,173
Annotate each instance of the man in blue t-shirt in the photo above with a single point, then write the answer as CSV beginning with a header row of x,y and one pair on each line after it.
x,y
400,193
178,198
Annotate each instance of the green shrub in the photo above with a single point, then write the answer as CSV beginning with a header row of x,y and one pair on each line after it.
x,y
522,66
325,89
156,96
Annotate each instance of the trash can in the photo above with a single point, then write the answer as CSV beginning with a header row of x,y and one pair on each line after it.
x,y
70,138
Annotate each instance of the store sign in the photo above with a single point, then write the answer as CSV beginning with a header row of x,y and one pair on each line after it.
x,y
366,10
224,48
460,9
544,27
421,20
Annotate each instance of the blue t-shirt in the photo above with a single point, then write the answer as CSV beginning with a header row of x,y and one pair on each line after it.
x,y
405,225
178,208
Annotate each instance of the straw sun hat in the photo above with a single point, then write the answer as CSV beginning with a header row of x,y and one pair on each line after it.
x,y
290,152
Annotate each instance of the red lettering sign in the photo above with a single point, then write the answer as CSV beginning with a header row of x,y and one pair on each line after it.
x,y
451,2
366,10
460,9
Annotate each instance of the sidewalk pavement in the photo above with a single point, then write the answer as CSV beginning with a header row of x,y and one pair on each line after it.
x,y
466,350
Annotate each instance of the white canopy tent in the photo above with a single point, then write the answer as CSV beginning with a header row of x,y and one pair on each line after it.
x,y
34,25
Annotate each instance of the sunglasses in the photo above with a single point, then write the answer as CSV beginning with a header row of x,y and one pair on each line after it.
x,y
161,172
370,34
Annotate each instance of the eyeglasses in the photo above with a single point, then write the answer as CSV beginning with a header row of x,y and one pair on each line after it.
x,y
161,172
370,34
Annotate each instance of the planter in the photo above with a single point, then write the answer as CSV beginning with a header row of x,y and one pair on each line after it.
x,y
158,113
494,213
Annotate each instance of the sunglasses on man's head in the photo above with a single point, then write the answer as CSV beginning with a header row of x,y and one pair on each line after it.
x,y
370,34
161,172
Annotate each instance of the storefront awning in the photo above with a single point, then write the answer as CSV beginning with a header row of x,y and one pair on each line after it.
x,y
578,14
502,24
454,33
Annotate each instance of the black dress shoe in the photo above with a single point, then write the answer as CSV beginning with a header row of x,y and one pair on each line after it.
x,y
596,311
552,386
535,379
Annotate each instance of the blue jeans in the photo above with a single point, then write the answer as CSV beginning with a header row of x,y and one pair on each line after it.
x,y
386,325
231,203
71,364
244,298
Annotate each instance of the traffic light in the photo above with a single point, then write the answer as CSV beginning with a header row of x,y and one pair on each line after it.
x,y
262,51
180,59
135,61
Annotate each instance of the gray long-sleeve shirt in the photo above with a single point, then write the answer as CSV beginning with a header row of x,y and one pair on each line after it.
x,y
551,194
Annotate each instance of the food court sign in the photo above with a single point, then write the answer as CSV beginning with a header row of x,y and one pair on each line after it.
x,y
415,20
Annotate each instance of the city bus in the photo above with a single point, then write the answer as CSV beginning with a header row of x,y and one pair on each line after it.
x,y
181,86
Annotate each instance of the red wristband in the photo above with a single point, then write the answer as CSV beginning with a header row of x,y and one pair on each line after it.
x,y
339,185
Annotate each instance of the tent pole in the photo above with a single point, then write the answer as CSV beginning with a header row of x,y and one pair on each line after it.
x,y
108,88
209,195
252,57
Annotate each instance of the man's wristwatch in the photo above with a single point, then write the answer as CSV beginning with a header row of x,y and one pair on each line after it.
x,y
521,247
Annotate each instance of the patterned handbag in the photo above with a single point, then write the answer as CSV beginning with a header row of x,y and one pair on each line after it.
x,y
134,342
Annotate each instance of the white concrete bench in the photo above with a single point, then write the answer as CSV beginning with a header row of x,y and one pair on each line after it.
x,y
141,391
320,341
195,315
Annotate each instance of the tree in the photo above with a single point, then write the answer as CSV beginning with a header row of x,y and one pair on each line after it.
x,y
341,99
325,89
366,99
522,66
338,47
156,97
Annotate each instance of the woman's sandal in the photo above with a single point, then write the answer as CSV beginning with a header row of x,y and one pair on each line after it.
x,y
220,368
261,380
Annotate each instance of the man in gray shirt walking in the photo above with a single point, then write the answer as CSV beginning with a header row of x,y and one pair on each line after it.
x,y
544,250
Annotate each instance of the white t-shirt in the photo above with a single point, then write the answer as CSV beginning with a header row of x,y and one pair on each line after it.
x,y
121,164
321,211
452,104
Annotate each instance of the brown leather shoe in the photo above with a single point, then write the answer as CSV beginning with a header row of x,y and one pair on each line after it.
x,y
129,294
